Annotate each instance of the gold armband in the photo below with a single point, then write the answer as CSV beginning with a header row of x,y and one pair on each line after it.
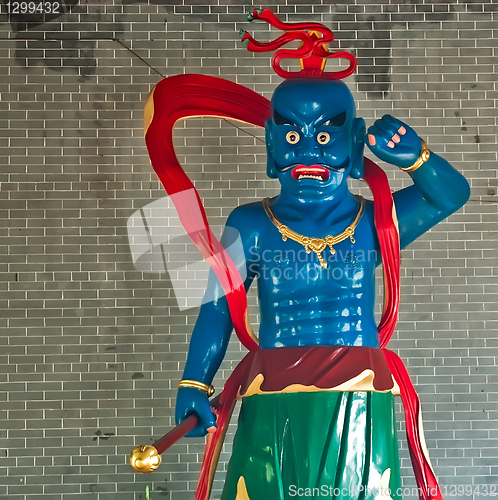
x,y
208,389
424,156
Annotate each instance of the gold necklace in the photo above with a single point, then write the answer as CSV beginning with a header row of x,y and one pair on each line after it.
x,y
318,245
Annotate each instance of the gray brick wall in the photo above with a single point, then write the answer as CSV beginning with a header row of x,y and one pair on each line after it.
x,y
91,349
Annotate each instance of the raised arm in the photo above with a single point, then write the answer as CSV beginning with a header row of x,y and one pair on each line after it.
x,y
212,330
438,189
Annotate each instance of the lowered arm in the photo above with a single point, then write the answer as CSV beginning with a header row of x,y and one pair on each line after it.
x,y
212,333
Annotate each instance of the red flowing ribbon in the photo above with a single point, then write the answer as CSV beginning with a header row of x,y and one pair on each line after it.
x,y
185,96
388,234
424,474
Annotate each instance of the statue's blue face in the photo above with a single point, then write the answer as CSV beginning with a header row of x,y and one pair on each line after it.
x,y
310,137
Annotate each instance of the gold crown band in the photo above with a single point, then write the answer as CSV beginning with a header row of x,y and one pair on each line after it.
x,y
424,156
208,389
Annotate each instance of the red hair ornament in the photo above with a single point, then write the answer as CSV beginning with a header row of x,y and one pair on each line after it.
x,y
312,53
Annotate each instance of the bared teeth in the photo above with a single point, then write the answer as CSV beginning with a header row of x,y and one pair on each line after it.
x,y
317,177
316,172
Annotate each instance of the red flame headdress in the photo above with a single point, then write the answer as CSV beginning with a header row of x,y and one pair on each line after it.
x,y
313,51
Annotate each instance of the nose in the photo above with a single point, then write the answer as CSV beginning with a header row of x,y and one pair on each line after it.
x,y
308,148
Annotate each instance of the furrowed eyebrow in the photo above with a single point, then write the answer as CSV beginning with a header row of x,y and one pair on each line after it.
x,y
280,120
336,121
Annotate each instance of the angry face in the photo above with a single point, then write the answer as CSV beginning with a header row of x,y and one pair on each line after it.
x,y
314,139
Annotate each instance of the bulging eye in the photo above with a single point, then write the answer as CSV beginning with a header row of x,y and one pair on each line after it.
x,y
323,138
292,137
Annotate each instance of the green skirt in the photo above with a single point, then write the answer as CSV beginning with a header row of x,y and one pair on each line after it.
x,y
315,444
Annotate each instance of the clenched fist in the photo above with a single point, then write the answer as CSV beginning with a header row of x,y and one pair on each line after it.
x,y
394,142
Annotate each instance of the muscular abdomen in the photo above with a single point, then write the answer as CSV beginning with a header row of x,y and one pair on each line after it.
x,y
305,304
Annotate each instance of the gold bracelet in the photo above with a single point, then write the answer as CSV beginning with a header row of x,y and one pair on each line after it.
x,y
208,389
424,156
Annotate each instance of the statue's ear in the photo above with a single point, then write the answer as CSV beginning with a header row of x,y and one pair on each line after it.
x,y
271,169
359,131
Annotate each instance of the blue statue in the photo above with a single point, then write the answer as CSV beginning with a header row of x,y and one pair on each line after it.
x,y
317,396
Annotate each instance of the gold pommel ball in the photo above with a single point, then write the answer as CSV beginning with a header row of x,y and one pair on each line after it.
x,y
145,458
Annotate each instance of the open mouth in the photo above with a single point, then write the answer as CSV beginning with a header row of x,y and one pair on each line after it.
x,y
312,172
317,172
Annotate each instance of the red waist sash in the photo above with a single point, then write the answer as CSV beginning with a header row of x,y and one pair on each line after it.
x,y
326,368
339,368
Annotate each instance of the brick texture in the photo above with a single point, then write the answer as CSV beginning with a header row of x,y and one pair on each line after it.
x,y
91,349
